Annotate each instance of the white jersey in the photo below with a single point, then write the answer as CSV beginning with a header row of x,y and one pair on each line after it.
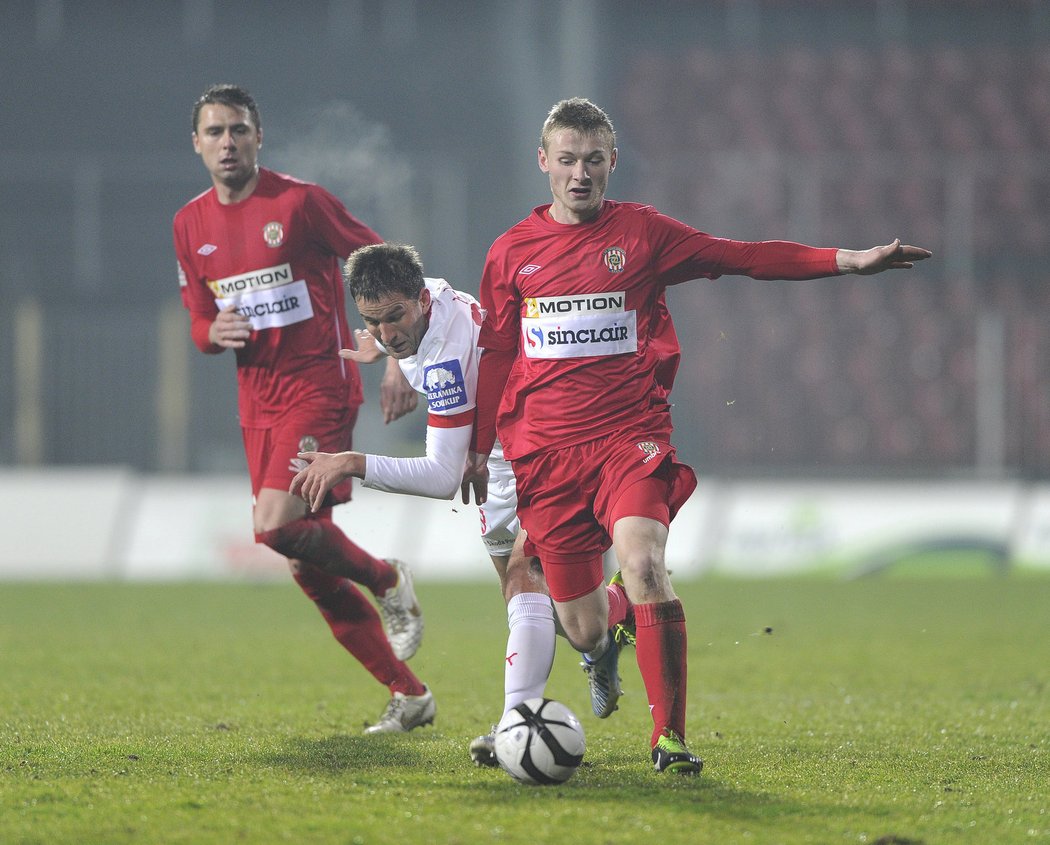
x,y
445,370
445,367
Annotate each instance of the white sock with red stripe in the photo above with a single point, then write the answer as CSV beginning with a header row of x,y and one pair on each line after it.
x,y
530,648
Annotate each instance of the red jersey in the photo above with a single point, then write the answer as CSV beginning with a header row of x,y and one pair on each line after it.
x,y
278,256
581,309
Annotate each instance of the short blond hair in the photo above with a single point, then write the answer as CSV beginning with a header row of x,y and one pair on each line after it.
x,y
580,115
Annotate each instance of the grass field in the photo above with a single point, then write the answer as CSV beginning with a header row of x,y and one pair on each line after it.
x,y
899,710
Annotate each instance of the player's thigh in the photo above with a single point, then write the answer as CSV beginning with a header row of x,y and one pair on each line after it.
x,y
499,512
274,508
273,453
556,503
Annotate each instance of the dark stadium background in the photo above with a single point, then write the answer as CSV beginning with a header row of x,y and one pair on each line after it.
x,y
835,123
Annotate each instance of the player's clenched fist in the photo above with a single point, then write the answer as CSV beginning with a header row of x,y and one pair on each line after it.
x,y
230,330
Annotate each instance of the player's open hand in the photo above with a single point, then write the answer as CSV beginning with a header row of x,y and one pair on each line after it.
x,y
892,256
367,351
229,329
476,478
324,471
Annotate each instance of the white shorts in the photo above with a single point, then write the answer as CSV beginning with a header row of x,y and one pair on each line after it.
x,y
499,514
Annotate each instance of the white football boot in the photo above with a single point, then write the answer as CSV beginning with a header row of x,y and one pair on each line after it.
x,y
402,616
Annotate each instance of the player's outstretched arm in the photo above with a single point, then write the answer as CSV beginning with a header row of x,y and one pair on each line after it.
x,y
892,256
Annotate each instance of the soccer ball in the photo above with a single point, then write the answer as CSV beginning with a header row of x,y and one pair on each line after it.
x,y
539,742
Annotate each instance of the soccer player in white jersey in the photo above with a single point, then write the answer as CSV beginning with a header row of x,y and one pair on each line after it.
x,y
432,330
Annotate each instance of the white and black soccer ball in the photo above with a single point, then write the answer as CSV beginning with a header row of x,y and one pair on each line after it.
x,y
540,742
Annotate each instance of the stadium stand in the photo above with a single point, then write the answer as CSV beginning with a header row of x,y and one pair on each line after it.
x,y
946,147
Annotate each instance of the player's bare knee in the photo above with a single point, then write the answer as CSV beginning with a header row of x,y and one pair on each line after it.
x,y
583,634
645,579
523,575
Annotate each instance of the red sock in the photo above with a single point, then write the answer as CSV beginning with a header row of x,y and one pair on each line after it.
x,y
357,627
619,605
661,652
320,543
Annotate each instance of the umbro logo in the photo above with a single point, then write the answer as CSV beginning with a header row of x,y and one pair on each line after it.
x,y
207,249
529,269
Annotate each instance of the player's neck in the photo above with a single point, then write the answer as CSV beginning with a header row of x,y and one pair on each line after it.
x,y
566,217
228,194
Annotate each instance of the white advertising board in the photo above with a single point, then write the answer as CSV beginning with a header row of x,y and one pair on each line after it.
x,y
781,528
113,523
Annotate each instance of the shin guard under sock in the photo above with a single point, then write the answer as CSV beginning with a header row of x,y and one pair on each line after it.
x,y
661,651
356,626
530,648
619,605
321,543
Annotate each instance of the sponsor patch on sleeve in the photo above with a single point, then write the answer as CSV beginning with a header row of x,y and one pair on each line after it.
x,y
446,390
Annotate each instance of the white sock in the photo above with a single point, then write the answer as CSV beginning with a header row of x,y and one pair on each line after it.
x,y
530,648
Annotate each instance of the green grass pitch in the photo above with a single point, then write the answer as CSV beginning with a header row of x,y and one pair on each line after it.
x,y
893,710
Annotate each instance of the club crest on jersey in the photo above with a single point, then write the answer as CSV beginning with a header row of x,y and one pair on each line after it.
x,y
615,259
273,234
307,443
651,450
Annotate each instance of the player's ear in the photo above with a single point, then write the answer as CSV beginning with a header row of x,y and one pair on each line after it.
x,y
196,143
541,159
612,160
424,299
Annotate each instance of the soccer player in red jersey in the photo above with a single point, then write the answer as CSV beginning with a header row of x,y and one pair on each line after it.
x,y
575,376
259,258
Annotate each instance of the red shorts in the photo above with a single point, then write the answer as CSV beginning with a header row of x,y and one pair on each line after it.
x,y
570,498
271,452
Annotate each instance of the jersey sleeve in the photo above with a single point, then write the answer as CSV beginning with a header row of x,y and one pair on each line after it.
x,y
449,373
436,475
196,297
499,340
500,302
683,253
493,372
335,228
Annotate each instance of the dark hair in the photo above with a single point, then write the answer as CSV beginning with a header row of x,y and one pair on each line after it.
x,y
378,270
227,95
580,115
